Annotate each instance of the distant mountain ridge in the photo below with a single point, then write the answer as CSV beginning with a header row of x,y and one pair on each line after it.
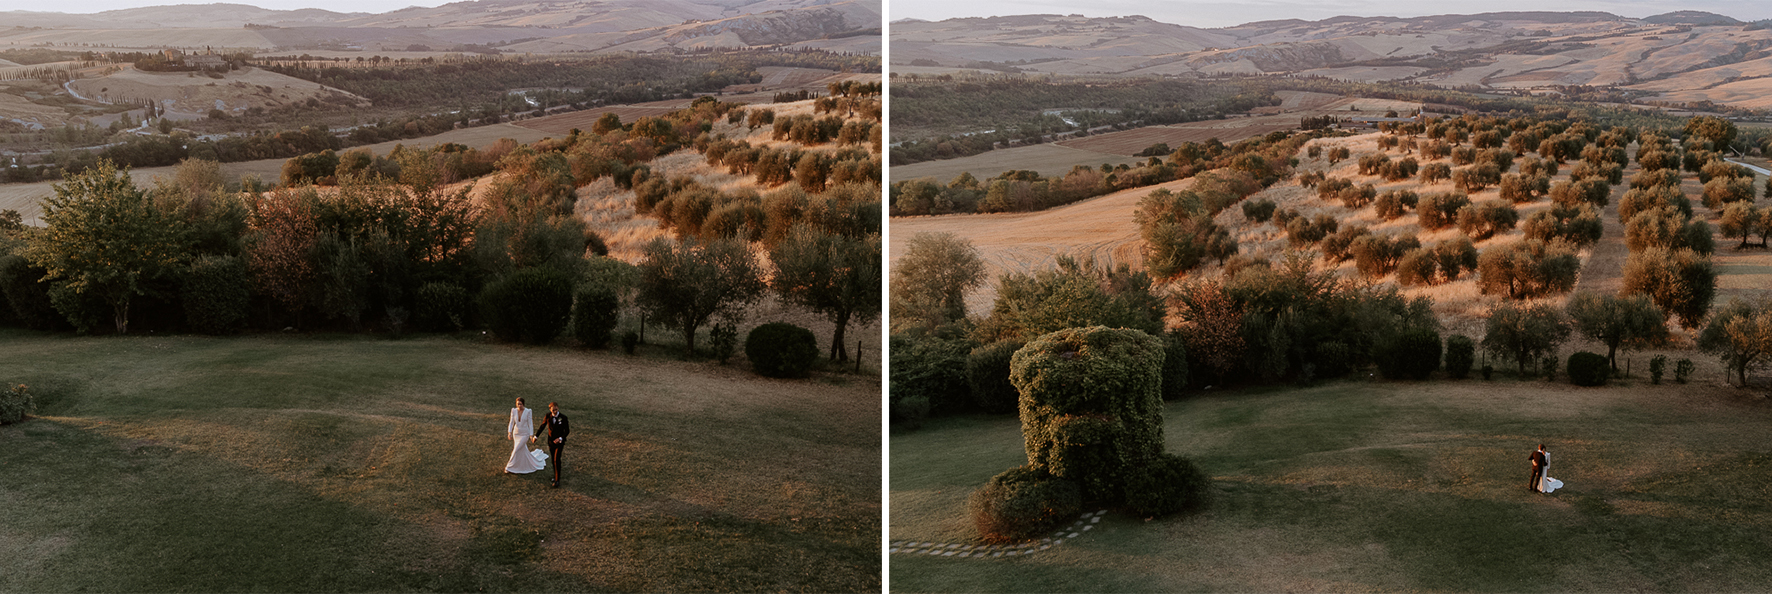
x,y
1679,57
550,25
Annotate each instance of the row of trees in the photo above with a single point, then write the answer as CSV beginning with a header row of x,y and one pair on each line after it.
x,y
1261,161
388,241
1263,322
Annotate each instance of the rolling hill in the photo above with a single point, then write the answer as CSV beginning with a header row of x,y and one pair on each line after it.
x,y
1678,57
478,25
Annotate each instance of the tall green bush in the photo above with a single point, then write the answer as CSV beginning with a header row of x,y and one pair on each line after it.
x,y
217,294
930,368
595,311
28,298
987,374
441,307
531,305
1413,354
1461,353
1091,406
1174,365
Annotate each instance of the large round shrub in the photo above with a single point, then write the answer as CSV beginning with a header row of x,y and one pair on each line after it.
x,y
1461,353
987,373
1092,407
594,314
780,349
1166,485
1413,354
216,295
441,307
1023,503
530,305
15,403
1588,369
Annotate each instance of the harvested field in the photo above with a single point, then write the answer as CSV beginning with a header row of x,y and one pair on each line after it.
x,y
582,120
1755,93
198,94
1048,159
1366,73
150,39
1129,142
1099,229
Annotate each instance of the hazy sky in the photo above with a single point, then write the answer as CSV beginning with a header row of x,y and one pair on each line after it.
x,y
91,6
1209,13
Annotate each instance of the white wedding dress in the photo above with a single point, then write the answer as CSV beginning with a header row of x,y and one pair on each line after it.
x,y
1547,484
523,461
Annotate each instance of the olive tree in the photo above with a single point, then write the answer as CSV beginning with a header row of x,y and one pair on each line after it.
x,y
931,278
1630,321
684,285
1524,332
831,274
1740,334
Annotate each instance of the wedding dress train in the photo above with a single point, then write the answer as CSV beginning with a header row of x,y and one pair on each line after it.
x,y
519,429
1547,484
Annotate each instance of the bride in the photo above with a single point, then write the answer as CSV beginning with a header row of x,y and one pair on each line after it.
x,y
520,429
1547,484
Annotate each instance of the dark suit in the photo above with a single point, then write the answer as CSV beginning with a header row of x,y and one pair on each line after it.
x,y
557,427
1538,463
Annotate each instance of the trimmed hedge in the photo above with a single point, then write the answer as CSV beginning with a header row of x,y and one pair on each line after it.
x,y
780,349
987,373
1166,485
1092,407
1023,503
1588,369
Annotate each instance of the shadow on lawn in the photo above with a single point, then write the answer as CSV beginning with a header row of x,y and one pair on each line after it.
x,y
114,514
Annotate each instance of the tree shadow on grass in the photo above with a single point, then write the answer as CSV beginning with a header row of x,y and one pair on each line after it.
x,y
134,515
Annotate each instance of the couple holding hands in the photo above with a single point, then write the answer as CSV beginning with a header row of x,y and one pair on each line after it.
x,y
522,428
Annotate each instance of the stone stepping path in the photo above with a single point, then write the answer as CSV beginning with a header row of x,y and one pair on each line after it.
x,y
1084,524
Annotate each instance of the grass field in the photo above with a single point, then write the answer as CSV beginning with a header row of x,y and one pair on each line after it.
x,y
1050,160
1382,486
316,463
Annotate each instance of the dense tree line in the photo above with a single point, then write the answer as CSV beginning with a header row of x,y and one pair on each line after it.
x,y
968,117
388,249
1259,161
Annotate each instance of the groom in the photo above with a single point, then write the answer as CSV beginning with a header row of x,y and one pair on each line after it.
x,y
1539,461
557,430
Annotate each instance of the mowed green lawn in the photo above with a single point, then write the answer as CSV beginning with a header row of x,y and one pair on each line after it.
x,y
1391,486
273,463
